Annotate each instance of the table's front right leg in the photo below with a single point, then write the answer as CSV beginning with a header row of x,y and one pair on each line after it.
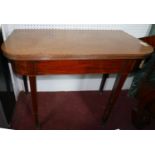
x,y
114,95
121,77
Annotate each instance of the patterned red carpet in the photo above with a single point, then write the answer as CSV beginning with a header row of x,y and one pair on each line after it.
x,y
74,110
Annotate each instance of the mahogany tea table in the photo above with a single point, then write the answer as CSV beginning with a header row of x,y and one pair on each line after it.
x,y
44,52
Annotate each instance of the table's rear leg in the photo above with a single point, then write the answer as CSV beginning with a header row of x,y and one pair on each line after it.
x,y
104,77
114,95
34,99
25,83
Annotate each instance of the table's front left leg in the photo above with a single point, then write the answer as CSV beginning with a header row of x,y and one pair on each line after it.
x,y
34,99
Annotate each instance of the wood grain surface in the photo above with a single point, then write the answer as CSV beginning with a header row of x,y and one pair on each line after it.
x,y
73,44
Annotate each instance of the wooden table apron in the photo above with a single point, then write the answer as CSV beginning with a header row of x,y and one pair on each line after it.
x,y
33,68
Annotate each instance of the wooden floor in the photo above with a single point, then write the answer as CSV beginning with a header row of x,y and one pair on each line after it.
x,y
74,110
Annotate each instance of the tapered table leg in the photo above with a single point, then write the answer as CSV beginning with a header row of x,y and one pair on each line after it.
x,y
34,99
127,67
114,95
104,77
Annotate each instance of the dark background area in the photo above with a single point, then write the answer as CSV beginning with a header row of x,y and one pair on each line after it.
x,y
7,97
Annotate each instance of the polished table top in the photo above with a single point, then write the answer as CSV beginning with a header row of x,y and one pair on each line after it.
x,y
73,44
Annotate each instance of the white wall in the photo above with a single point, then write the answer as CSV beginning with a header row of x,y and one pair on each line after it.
x,y
76,82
